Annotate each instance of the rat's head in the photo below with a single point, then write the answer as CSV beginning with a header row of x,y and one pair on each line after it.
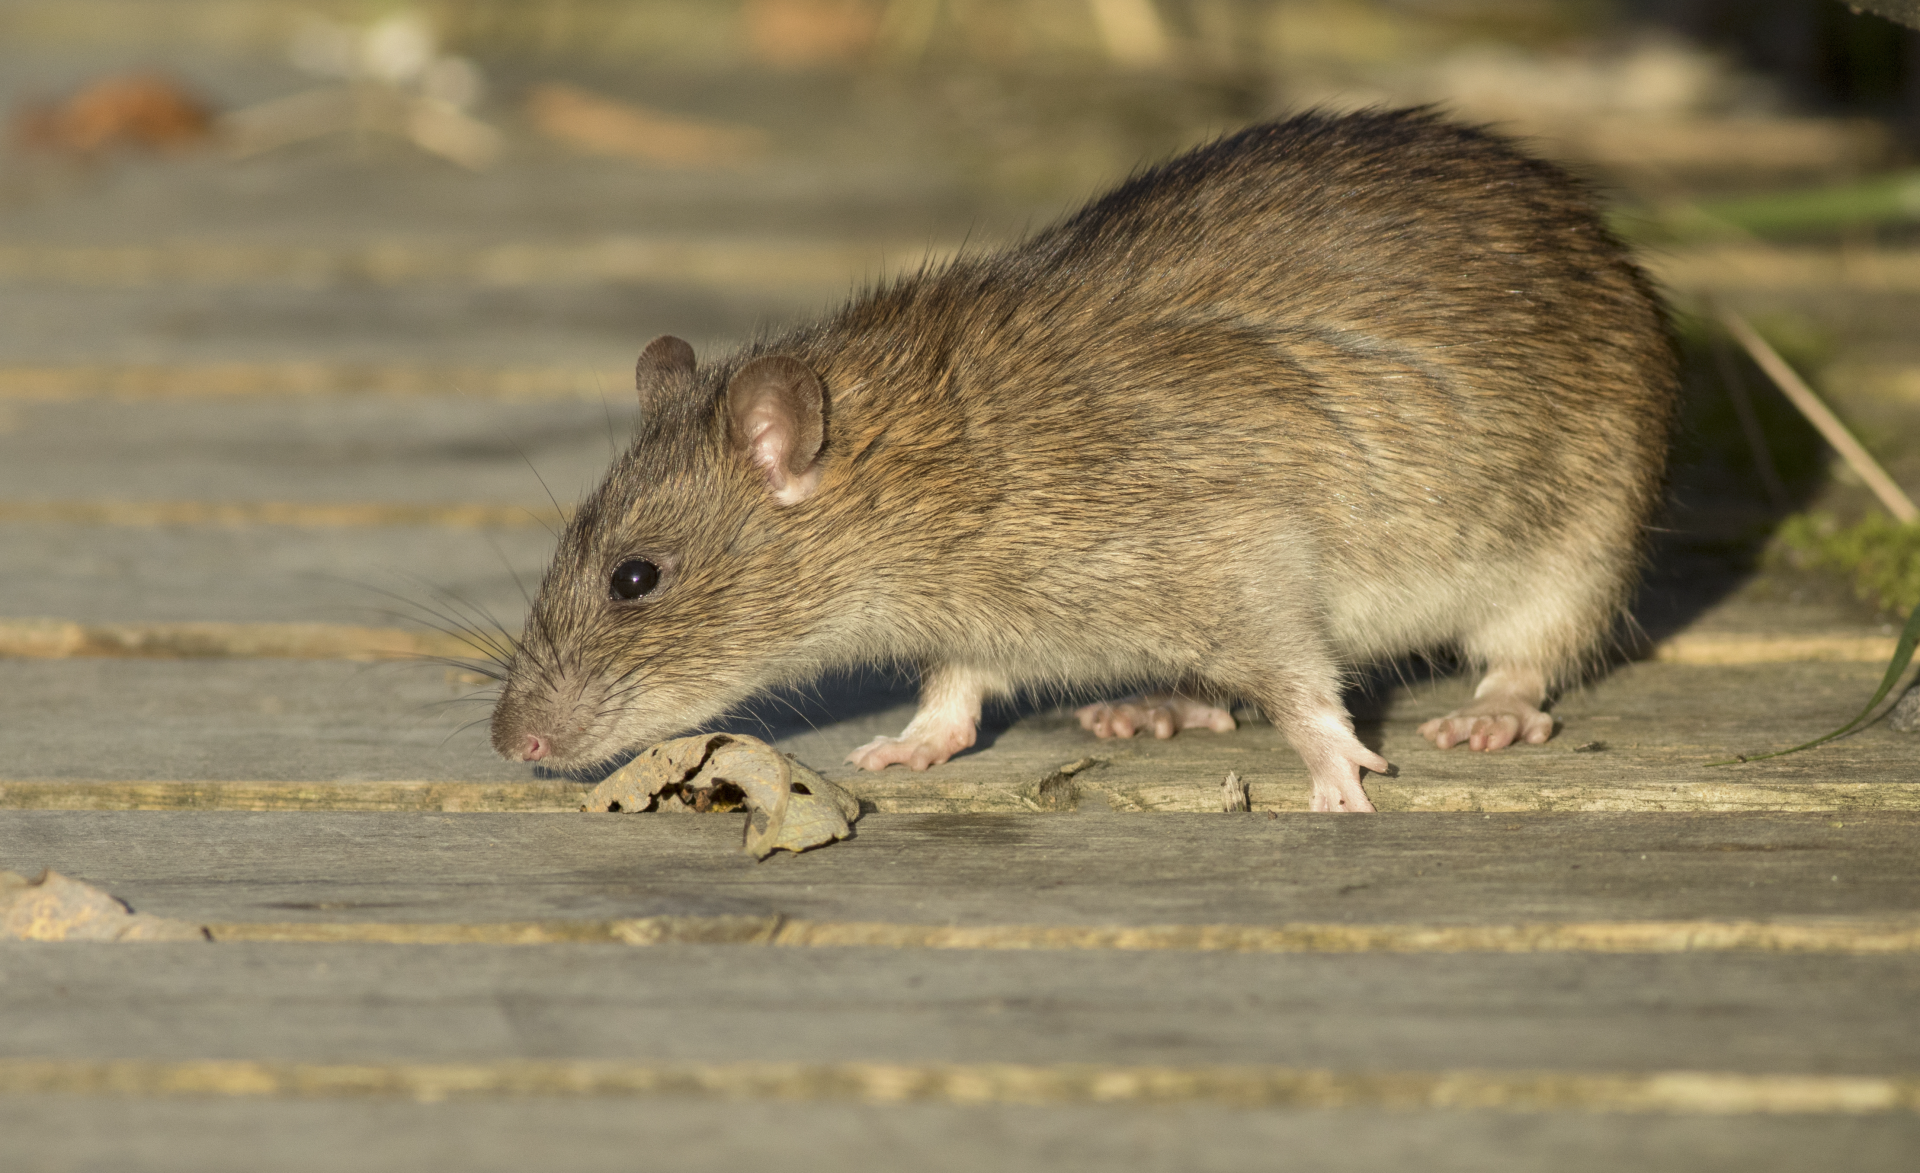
x,y
677,589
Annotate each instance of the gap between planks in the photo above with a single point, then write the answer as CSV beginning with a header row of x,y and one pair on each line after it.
x,y
60,639
189,382
1702,1093
52,638
1692,936
1021,792
307,514
736,262
768,264
296,380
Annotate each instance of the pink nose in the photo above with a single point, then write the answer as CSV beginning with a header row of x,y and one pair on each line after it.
x,y
536,747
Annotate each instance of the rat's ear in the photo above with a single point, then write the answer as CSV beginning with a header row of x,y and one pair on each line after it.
x,y
665,365
777,418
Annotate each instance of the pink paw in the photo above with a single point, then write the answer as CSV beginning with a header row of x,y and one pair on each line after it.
x,y
1493,723
916,752
1345,794
1336,777
1165,713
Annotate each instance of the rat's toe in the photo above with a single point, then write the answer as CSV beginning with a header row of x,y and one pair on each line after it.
x,y
1164,713
1490,724
1491,733
916,750
1342,797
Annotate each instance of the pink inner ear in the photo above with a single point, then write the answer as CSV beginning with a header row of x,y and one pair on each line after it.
x,y
776,403
769,445
769,438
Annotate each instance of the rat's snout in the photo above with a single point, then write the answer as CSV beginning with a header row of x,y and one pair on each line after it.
x,y
521,732
515,741
535,725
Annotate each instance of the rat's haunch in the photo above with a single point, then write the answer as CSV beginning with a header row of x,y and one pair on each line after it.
x,y
1328,391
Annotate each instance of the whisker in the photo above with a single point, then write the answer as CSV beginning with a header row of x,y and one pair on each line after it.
x,y
462,729
555,501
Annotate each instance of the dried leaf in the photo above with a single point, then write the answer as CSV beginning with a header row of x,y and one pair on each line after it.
x,y
53,907
667,766
138,110
788,806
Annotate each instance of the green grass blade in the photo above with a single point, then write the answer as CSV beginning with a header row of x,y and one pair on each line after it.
x,y
1902,656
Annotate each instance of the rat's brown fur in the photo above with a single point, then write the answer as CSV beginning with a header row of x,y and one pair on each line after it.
x,y
1328,391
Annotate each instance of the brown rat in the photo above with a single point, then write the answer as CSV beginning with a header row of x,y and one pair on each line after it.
x,y
1328,391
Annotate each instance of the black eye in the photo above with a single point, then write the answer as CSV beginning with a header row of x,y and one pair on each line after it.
x,y
633,579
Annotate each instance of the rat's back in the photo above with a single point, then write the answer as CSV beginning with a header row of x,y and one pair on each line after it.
x,y
1400,342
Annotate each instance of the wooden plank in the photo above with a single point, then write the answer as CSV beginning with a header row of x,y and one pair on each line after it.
x,y
285,734
1085,871
1752,1016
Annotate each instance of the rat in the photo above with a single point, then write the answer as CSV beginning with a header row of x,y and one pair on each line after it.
x,y
1325,392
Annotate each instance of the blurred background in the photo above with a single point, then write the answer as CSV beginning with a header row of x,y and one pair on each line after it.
x,y
347,254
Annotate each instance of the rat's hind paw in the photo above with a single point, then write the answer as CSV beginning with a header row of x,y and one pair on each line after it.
x,y
1494,722
1340,794
1166,713
1334,760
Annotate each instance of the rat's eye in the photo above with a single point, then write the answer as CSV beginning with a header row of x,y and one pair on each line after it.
x,y
633,579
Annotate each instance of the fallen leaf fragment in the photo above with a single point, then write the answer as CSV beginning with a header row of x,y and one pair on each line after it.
x,y
53,907
608,127
138,109
788,806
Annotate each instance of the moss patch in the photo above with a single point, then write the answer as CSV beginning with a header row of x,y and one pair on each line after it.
x,y
1880,555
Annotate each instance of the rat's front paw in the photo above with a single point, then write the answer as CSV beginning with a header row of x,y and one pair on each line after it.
x,y
914,751
1493,723
882,752
1165,713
